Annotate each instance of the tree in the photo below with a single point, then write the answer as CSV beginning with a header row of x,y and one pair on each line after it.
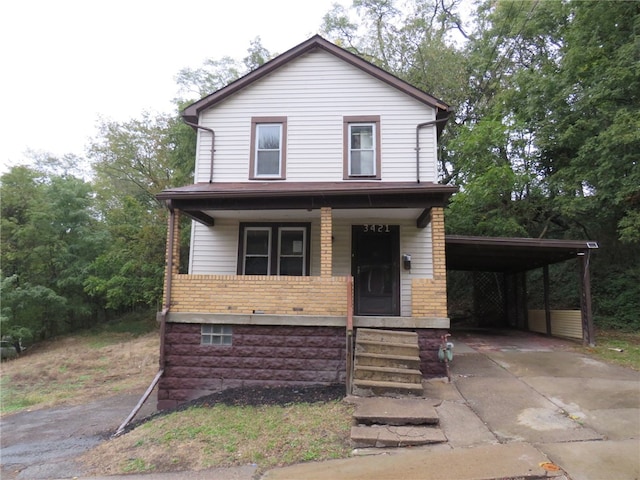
x,y
215,74
133,161
50,235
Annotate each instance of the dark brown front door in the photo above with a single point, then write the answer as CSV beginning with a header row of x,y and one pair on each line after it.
x,y
376,269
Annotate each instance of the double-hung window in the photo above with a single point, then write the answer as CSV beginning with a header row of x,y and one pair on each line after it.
x,y
268,148
362,147
274,249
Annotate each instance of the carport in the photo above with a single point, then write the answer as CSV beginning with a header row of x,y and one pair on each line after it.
x,y
512,258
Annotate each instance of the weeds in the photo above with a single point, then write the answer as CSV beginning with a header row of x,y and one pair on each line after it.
x,y
77,369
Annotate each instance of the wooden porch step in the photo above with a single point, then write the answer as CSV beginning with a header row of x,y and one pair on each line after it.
x,y
388,360
390,336
389,348
388,374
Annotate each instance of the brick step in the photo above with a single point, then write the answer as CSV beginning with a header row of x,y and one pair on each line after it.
x,y
391,336
388,374
381,436
368,388
388,360
389,348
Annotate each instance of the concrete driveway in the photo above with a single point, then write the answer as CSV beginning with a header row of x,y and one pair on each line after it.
x,y
582,413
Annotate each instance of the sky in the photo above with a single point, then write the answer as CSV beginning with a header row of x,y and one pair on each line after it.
x,y
67,63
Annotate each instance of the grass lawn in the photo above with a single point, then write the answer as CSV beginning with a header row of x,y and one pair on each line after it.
x,y
614,346
223,436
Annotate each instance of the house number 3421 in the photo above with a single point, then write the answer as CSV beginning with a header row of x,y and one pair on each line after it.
x,y
375,228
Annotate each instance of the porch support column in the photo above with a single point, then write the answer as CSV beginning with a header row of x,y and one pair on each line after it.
x,y
588,334
172,256
547,307
326,242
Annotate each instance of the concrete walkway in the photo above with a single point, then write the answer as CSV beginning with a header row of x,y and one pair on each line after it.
x,y
520,406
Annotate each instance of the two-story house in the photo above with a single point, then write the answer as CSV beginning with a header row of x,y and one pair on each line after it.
x,y
317,216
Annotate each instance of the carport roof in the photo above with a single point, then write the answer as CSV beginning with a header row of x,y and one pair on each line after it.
x,y
498,254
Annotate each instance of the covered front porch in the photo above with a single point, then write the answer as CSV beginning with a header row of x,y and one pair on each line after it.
x,y
372,250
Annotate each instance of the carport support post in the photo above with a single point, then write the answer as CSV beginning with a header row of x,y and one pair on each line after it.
x,y
588,336
547,308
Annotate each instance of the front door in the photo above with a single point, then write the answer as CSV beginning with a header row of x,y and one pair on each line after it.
x,y
375,266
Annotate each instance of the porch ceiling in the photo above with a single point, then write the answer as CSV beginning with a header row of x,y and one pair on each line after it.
x,y
204,201
494,254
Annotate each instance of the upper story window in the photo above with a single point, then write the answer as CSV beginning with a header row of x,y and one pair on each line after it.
x,y
274,249
268,148
362,147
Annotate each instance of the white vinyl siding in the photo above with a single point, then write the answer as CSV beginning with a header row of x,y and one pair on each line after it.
x,y
314,92
214,250
417,242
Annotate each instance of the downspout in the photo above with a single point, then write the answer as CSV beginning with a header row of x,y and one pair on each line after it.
x,y
169,274
213,145
418,128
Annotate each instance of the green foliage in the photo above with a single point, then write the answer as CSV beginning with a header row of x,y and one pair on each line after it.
x,y
215,74
133,161
618,294
49,235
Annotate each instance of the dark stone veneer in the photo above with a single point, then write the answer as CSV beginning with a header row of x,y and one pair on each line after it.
x,y
264,355
260,355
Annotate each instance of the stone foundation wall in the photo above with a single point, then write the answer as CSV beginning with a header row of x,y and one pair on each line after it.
x,y
260,355
429,342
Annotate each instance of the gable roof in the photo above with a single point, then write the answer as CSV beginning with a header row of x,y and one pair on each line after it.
x,y
192,112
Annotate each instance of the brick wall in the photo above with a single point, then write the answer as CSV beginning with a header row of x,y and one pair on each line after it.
x,y
260,355
269,295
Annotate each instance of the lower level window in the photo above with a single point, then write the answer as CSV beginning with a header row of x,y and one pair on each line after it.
x,y
274,249
216,335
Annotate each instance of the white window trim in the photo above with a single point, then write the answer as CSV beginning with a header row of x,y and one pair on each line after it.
x,y
257,150
373,149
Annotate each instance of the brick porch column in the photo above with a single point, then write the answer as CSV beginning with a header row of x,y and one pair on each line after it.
x,y
326,242
172,237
